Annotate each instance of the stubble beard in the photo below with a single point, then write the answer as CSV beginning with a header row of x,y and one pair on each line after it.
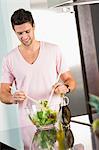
x,y
27,43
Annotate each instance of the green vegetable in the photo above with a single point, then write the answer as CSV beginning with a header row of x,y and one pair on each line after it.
x,y
94,101
95,125
45,139
45,116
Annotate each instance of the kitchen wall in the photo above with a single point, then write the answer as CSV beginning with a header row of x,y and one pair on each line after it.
x,y
8,40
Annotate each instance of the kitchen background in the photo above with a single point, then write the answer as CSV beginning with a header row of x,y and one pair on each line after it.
x,y
53,25
56,25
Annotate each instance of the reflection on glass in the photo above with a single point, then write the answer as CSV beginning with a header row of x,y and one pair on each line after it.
x,y
44,139
53,139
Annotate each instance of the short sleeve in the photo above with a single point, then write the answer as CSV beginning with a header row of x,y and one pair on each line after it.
x,y
7,76
61,62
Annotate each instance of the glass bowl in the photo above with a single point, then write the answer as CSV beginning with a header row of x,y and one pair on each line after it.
x,y
42,116
44,139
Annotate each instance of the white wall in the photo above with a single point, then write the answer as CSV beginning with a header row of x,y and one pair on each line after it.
x,y
8,113
59,28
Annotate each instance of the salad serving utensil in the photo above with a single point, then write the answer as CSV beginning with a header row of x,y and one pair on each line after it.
x,y
52,92
35,101
31,99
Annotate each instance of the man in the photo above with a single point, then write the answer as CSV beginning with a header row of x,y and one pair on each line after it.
x,y
33,66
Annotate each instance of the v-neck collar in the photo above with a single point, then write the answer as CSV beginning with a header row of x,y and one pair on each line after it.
x,y
26,62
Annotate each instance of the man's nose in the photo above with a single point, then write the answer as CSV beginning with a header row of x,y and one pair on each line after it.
x,y
24,35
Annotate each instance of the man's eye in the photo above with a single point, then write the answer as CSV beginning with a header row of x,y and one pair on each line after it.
x,y
20,33
28,31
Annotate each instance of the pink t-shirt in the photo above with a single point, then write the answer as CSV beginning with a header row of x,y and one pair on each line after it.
x,y
35,79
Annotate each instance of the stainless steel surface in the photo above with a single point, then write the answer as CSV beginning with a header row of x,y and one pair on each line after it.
x,y
55,3
77,97
59,3
41,4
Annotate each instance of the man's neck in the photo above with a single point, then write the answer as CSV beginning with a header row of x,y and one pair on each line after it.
x,y
31,48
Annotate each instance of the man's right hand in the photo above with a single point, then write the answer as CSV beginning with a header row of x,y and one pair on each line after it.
x,y
7,96
18,96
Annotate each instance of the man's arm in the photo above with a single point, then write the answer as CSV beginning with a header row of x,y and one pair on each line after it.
x,y
7,97
67,83
5,93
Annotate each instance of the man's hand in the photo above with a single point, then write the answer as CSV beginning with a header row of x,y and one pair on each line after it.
x,y
60,88
19,97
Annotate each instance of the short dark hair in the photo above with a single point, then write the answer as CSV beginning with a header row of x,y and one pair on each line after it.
x,y
21,16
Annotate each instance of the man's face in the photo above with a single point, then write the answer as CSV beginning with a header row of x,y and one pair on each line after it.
x,y
25,33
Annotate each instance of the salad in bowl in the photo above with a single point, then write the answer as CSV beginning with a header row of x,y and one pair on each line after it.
x,y
43,117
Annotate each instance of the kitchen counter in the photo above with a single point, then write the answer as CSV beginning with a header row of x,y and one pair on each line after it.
x,y
78,137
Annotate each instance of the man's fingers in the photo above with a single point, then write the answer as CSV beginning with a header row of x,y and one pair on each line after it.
x,y
60,89
57,84
19,96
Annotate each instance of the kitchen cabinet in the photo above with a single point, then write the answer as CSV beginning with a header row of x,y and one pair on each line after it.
x,y
57,3
54,3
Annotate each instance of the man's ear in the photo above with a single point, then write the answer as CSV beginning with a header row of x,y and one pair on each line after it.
x,y
34,26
